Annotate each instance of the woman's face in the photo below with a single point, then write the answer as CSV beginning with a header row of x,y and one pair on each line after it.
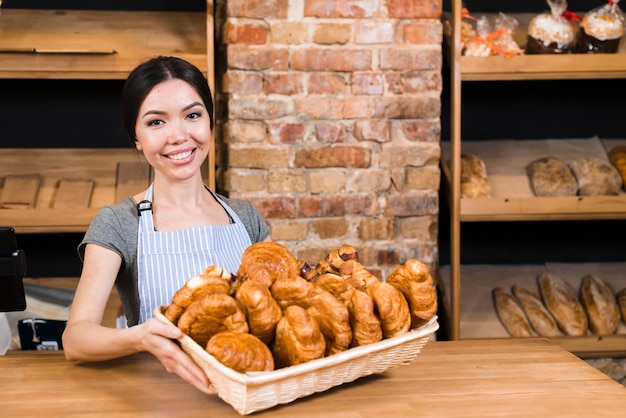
x,y
173,129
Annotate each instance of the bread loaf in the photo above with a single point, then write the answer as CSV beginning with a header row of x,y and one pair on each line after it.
x,y
511,314
538,315
599,301
596,177
551,177
474,177
563,304
617,156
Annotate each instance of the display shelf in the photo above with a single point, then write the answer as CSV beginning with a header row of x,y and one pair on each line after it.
x,y
76,44
533,67
502,206
479,319
56,164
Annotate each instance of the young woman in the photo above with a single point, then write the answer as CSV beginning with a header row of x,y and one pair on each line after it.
x,y
150,244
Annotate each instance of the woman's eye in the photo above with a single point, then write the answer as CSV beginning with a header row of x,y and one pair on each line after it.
x,y
194,115
155,122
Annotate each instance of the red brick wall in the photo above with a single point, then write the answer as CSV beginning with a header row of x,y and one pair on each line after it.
x,y
329,122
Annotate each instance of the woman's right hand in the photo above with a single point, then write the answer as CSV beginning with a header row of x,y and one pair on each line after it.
x,y
158,339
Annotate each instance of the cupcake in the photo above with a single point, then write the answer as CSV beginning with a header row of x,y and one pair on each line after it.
x,y
601,30
549,33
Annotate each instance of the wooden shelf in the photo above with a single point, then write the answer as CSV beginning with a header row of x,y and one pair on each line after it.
x,y
535,67
458,318
72,44
55,164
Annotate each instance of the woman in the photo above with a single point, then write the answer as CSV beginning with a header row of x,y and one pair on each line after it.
x,y
150,244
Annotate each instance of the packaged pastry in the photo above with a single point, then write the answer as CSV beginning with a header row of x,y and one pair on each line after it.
x,y
551,33
601,29
491,36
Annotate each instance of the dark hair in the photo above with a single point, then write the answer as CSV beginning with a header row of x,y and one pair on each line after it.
x,y
145,76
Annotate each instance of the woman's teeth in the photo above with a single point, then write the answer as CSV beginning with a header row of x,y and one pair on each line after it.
x,y
180,156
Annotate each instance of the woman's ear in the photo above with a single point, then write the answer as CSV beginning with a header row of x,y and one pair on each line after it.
x,y
137,145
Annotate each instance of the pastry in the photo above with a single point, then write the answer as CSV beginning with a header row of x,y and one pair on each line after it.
x,y
267,261
538,315
261,309
365,324
599,301
333,320
601,30
241,352
563,304
336,285
596,177
213,313
550,33
474,177
511,314
621,302
392,307
298,338
213,280
291,291
617,156
551,177
414,281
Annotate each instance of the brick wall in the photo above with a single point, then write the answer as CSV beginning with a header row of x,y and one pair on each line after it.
x,y
329,122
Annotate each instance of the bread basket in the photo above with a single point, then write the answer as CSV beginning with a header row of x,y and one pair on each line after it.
x,y
251,392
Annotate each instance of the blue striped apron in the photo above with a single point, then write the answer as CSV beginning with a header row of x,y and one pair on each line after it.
x,y
166,260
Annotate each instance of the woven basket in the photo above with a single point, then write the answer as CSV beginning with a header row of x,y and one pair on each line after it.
x,y
257,391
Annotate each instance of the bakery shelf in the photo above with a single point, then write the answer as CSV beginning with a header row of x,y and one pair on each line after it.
x,y
504,206
76,44
102,166
479,320
533,67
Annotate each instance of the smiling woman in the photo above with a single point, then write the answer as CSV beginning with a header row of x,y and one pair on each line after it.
x,y
150,244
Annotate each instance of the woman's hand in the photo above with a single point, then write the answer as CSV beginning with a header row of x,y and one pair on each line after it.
x,y
158,339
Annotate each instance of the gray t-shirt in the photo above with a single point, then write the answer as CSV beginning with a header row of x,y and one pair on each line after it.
x,y
115,227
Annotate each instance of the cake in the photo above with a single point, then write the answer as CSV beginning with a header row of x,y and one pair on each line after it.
x,y
601,30
550,33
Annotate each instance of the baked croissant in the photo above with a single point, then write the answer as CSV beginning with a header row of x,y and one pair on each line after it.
x,y
213,280
414,281
291,291
211,314
333,319
365,324
336,285
266,262
241,352
392,307
261,309
298,338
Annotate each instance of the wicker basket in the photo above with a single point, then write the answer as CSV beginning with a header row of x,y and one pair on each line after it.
x,y
257,391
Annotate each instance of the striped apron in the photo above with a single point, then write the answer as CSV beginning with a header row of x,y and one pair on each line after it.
x,y
166,260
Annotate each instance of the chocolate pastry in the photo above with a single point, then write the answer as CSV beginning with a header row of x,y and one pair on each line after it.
x,y
601,30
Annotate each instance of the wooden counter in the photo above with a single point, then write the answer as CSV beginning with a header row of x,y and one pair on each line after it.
x,y
516,378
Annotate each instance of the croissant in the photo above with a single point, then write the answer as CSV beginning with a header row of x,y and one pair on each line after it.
x,y
391,305
211,314
266,262
414,281
333,319
291,291
298,338
336,285
241,352
261,309
366,328
213,280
